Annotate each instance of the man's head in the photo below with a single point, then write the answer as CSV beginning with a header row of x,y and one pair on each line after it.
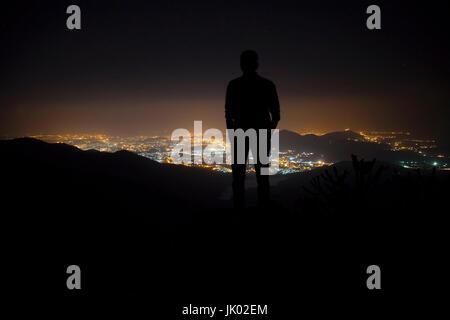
x,y
249,61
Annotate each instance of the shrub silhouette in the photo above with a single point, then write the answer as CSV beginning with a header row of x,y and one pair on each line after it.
x,y
372,189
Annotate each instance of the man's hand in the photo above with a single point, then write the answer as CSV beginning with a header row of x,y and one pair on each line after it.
x,y
273,124
230,124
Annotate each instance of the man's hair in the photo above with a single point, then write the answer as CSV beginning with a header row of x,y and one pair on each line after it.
x,y
249,60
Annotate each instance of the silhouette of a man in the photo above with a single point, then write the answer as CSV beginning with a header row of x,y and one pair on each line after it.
x,y
251,103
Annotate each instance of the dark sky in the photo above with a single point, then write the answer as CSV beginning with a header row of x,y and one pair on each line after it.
x,y
148,67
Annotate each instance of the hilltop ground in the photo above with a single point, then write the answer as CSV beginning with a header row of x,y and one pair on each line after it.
x,y
139,229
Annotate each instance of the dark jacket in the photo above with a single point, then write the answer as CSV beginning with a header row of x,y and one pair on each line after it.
x,y
251,102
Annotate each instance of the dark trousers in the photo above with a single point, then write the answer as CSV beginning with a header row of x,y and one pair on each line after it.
x,y
239,170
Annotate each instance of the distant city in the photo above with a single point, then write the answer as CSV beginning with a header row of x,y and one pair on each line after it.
x,y
402,140
158,148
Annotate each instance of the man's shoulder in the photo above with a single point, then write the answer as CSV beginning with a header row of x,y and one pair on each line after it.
x,y
268,82
235,81
264,81
258,78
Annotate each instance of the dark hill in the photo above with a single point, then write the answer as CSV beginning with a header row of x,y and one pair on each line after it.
x,y
343,135
338,146
110,213
135,226
101,182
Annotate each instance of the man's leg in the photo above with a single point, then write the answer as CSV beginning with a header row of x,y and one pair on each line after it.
x,y
238,175
263,186
238,185
263,180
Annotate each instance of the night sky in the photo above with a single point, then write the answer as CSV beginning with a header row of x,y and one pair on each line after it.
x,y
148,67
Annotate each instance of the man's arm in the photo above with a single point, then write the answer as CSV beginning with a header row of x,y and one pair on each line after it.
x,y
274,107
229,107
